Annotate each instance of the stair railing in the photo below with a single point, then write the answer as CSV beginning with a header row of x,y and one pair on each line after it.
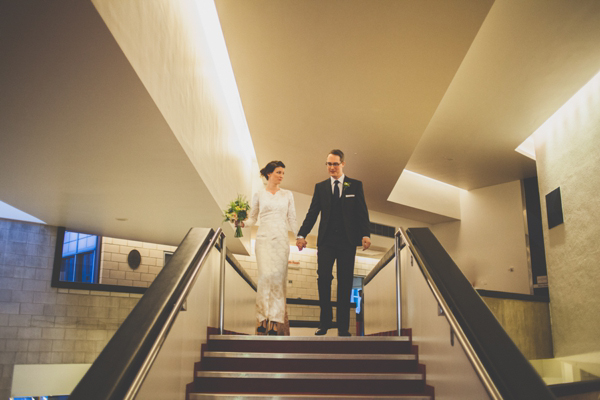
x,y
120,369
503,370
449,314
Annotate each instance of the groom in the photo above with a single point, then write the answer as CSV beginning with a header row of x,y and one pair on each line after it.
x,y
344,226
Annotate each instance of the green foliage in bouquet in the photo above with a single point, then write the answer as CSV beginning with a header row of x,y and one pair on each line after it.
x,y
237,213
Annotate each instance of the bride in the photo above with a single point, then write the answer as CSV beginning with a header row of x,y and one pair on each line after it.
x,y
275,207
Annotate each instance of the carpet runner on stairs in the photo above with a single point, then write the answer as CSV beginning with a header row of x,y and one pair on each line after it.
x,y
310,367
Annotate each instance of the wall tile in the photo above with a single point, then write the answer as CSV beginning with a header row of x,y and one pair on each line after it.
x,y
8,357
16,345
65,322
29,333
53,333
55,310
39,345
13,259
9,308
37,238
51,358
19,320
8,332
17,236
77,311
25,273
42,321
35,285
63,345
43,274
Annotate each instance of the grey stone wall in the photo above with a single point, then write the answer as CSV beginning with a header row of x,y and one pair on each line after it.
x,y
44,325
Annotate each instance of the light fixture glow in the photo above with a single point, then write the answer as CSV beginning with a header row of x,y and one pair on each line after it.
x,y
527,148
430,179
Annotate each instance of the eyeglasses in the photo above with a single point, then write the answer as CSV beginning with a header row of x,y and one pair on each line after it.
x,y
333,164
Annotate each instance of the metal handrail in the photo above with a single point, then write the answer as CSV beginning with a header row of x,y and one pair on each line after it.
x,y
448,313
223,241
129,355
156,346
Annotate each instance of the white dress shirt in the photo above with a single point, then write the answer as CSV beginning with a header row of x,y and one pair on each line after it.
x,y
341,180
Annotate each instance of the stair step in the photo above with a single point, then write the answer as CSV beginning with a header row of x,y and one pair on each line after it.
x,y
311,375
297,383
256,338
234,396
314,362
311,356
310,344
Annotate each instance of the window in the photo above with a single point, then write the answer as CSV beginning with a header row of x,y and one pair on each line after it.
x,y
77,263
79,258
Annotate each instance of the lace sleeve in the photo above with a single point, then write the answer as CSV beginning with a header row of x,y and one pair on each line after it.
x,y
291,214
254,210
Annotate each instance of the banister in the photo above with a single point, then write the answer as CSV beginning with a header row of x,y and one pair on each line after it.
x,y
501,367
120,369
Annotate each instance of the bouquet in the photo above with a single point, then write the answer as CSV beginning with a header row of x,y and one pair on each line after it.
x,y
237,213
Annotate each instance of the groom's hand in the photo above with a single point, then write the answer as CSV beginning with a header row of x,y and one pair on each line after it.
x,y
300,243
366,243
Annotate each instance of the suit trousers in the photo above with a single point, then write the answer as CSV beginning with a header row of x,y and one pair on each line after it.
x,y
345,255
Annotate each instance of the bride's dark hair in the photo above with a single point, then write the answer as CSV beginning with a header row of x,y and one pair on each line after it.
x,y
270,167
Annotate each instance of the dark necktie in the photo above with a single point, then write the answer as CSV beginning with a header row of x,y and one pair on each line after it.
x,y
336,189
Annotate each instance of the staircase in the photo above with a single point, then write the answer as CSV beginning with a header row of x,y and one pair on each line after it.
x,y
310,367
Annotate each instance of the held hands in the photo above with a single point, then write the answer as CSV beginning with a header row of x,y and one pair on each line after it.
x,y
366,242
238,223
300,243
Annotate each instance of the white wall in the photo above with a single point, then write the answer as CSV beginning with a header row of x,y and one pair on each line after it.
x,y
489,244
178,52
449,370
427,194
568,156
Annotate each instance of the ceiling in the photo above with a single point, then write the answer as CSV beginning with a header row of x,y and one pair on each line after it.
x,y
445,89
82,144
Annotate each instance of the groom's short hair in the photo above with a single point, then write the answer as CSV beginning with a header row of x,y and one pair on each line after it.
x,y
339,153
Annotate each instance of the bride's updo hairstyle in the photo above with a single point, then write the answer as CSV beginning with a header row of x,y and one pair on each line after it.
x,y
270,167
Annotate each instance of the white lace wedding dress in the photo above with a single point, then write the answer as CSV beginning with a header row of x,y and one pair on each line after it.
x,y
276,213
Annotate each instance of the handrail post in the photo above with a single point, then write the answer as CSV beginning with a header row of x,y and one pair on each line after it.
x,y
397,247
223,242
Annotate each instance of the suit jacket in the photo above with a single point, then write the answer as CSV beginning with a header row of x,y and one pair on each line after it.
x,y
354,210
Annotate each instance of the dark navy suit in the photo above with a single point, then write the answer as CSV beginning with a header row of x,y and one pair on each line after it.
x,y
344,222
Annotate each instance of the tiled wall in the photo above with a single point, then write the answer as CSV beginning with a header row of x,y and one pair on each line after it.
x,y
302,280
114,269
44,325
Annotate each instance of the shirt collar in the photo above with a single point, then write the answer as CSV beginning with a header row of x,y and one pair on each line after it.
x,y
341,179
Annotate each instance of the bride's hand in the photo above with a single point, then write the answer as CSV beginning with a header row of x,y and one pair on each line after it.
x,y
239,223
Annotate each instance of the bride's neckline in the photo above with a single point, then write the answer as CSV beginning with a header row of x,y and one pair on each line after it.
x,y
272,193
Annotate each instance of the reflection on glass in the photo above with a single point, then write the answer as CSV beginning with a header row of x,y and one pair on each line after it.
x,y
79,258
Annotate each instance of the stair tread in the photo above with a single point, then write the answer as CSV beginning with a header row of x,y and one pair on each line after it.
x,y
364,339
254,396
310,356
312,375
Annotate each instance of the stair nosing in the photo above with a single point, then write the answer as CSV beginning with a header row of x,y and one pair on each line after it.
x,y
408,376
365,339
241,396
310,356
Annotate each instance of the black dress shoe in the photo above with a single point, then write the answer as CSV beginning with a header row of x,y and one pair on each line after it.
x,y
322,330
344,333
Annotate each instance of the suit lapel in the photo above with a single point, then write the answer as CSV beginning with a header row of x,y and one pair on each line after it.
x,y
326,194
345,189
